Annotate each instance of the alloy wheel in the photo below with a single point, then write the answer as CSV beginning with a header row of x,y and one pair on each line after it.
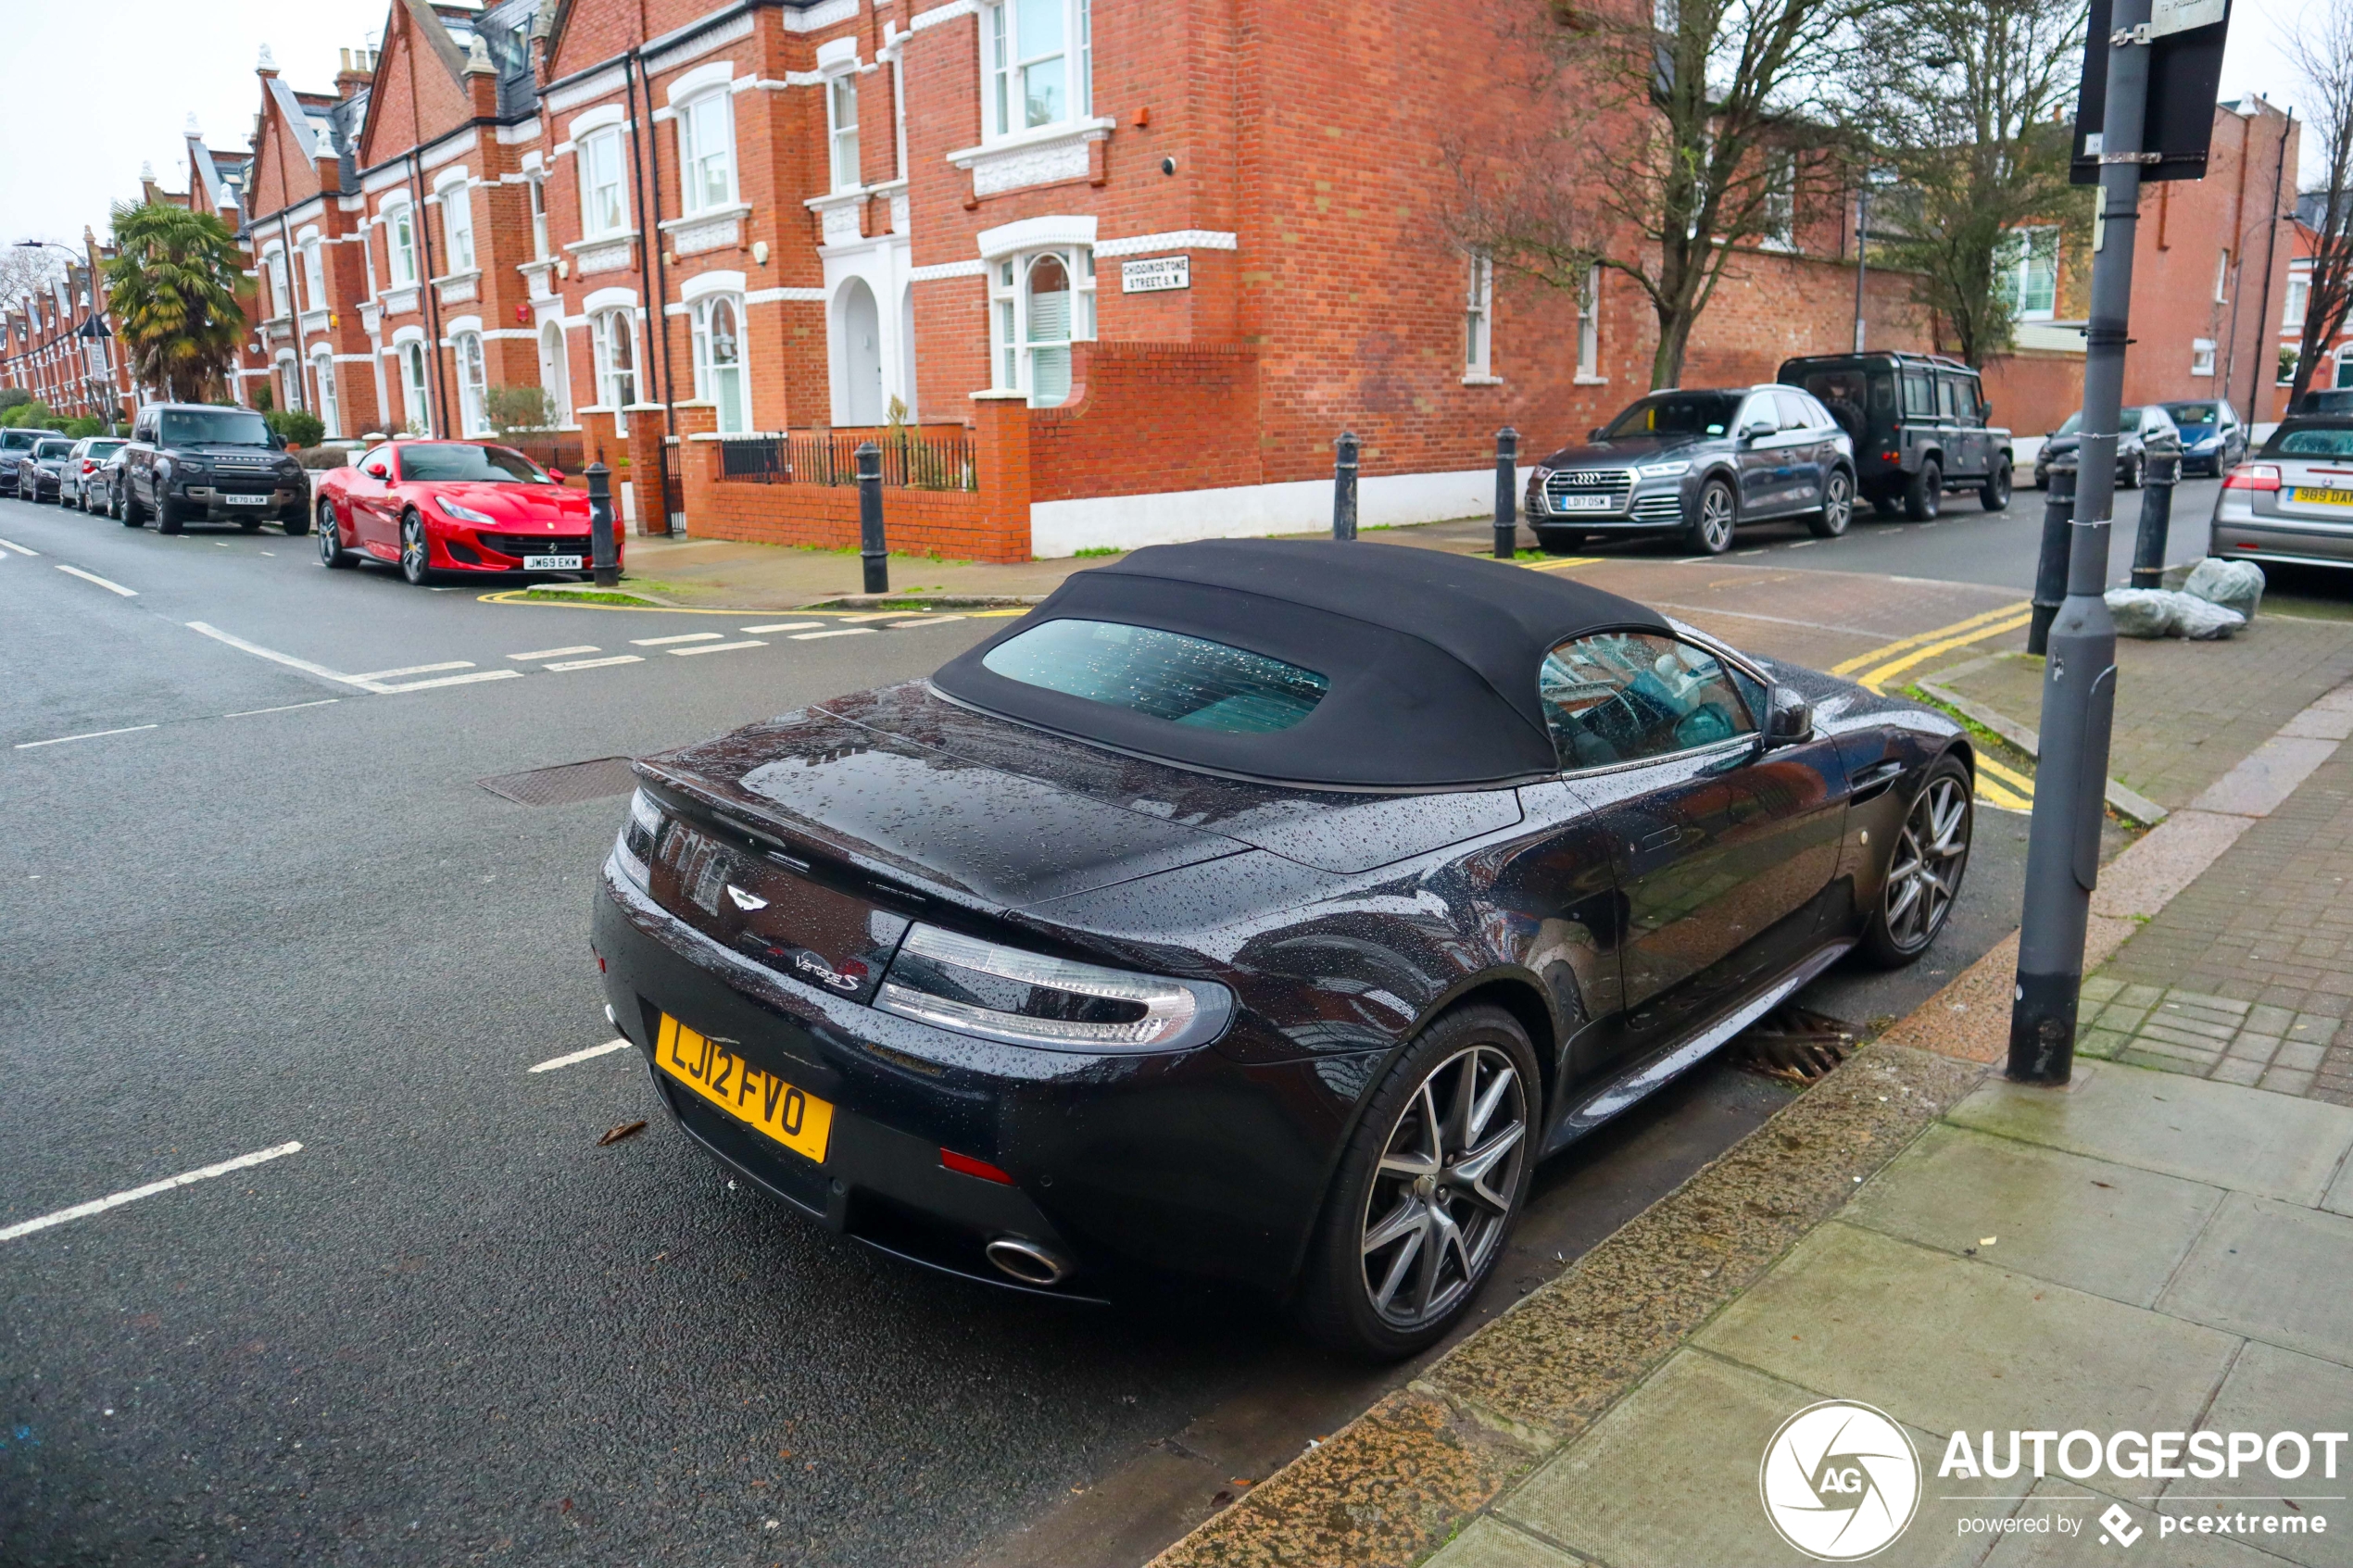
x,y
415,558
1925,871
329,549
1443,1194
1716,518
1838,505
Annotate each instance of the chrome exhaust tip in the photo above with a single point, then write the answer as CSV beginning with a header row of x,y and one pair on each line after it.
x,y
1027,1261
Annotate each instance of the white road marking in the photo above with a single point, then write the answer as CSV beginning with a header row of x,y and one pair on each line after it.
x,y
289,707
1805,544
606,1049
93,577
216,634
557,653
845,631
718,647
12,545
782,626
926,621
186,1178
414,670
453,681
877,615
599,663
86,734
682,637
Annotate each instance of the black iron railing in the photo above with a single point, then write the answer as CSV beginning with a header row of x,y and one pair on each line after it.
x,y
909,461
561,453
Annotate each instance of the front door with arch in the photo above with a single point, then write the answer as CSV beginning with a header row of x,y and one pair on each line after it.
x,y
858,353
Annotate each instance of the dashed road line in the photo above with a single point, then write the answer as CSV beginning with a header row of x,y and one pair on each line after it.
x,y
12,545
782,626
287,707
93,577
878,615
306,666
116,1200
606,1049
718,647
845,631
926,621
680,637
86,734
415,669
555,653
599,663
478,675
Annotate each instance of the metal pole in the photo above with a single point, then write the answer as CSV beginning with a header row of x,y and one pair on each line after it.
x,y
2050,571
870,549
2079,674
604,555
2157,517
1344,486
1506,493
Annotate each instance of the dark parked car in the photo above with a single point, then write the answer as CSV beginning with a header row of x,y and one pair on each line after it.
x,y
1700,463
85,467
1258,909
2327,400
2139,433
15,447
196,463
41,471
2214,438
1918,422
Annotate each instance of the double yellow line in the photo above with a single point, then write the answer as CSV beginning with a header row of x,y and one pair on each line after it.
x,y
1996,784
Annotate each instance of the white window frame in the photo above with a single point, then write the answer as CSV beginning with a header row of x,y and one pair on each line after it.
x,y
1478,318
281,301
322,370
697,162
841,134
1004,67
615,324
1589,326
1012,349
2300,294
1779,207
708,373
2201,356
291,392
602,143
458,223
2026,245
314,276
416,389
474,382
538,218
555,368
2223,277
400,244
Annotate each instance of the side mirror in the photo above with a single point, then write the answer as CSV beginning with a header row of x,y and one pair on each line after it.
x,y
1789,718
556,475
377,471
1756,429
1594,433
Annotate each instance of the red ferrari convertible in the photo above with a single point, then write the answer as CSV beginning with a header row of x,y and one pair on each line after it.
x,y
435,507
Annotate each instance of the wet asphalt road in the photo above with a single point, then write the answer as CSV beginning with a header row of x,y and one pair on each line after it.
x,y
278,908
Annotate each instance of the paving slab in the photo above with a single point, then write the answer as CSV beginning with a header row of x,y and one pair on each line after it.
x,y
2276,1271
1943,1342
1668,1478
2107,1229
2219,1134
1487,1542
2274,1390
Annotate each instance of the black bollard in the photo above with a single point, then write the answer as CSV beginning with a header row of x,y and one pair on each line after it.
x,y
604,553
1506,493
2050,571
1344,486
870,549
2157,519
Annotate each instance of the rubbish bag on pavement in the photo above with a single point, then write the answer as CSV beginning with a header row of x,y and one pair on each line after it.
x,y
2201,621
2144,612
2233,584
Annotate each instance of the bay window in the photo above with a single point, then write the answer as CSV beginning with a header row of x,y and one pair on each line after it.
x,y
614,342
1039,304
841,130
473,403
706,152
719,364
600,208
457,225
1037,62
400,246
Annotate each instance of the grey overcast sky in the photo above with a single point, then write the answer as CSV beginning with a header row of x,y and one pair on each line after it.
x,y
97,86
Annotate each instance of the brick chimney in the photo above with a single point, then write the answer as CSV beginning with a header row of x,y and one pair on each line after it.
x,y
358,70
482,78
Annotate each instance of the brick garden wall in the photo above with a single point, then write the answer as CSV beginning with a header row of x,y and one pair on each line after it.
x,y
1146,417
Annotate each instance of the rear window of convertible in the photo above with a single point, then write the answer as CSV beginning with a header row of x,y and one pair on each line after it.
x,y
1185,679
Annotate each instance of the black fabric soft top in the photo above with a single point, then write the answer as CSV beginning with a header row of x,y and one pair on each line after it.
x,y
1432,658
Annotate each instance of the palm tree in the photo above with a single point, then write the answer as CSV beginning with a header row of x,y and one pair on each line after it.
x,y
172,287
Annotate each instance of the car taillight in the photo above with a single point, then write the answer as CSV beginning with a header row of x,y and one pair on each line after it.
x,y
2253,476
975,987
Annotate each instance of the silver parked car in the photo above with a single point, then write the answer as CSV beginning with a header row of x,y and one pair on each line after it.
x,y
2292,500
81,475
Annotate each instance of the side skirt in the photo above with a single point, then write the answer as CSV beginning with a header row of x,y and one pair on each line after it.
x,y
1673,1061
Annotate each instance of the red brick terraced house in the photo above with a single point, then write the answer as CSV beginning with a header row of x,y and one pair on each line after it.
x,y
45,350
217,183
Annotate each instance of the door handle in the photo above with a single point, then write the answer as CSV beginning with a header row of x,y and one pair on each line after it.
x,y
1664,838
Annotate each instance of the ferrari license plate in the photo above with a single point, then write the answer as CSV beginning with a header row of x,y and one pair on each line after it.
x,y
264,501
713,1069
1585,503
551,563
2324,497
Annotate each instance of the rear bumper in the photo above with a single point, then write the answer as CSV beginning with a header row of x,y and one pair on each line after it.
x,y
1185,1161
2239,532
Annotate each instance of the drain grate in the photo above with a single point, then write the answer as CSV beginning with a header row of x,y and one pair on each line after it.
x,y
567,782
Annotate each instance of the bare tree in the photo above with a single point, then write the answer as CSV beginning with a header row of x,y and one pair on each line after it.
x,y
1662,137
28,270
1967,103
2323,53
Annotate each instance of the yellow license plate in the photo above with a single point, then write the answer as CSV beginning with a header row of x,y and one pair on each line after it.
x,y
2324,497
793,1117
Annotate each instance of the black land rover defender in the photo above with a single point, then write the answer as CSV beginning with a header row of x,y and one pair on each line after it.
x,y
195,462
1918,424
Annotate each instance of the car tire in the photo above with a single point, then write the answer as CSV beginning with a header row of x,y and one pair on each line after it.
x,y
1434,1237
1838,506
1994,495
1924,492
249,524
416,552
2135,472
1925,865
295,523
169,518
332,555
127,507
1717,518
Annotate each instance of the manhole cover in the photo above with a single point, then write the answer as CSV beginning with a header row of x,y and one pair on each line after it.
x,y
566,783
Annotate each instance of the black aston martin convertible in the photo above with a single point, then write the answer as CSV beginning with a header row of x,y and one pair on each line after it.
x,y
1259,909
